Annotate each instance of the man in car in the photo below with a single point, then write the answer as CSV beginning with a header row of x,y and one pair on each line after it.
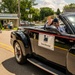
x,y
55,23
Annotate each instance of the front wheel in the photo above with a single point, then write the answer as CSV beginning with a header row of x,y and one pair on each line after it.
x,y
18,50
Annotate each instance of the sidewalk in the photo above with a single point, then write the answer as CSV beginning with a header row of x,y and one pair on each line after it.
x,y
5,37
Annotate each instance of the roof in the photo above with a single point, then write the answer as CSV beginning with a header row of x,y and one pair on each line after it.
x,y
8,16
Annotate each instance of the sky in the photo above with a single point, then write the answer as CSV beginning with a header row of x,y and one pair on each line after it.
x,y
0,0
54,4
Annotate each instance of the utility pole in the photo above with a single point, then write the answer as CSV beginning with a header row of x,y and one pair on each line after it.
x,y
19,11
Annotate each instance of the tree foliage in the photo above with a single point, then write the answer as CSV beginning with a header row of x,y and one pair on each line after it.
x,y
45,11
26,8
36,14
58,11
69,6
0,25
9,6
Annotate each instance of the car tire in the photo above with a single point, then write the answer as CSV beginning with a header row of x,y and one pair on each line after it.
x,y
18,51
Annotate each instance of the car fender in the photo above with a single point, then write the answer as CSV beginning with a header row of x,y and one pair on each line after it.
x,y
20,35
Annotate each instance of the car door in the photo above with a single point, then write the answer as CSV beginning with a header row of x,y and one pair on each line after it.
x,y
60,44
32,37
71,57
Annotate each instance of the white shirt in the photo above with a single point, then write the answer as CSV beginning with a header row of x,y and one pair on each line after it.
x,y
61,29
11,24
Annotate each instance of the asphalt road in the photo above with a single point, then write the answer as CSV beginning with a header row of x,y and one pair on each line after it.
x,y
8,64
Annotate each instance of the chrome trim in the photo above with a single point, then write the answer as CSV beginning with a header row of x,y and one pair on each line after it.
x,y
42,67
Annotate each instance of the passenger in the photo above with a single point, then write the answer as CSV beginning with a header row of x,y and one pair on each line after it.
x,y
48,22
55,22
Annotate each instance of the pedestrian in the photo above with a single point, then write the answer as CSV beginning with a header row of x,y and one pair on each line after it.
x,y
5,25
11,25
8,25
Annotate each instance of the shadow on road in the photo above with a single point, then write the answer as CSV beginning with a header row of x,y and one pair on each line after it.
x,y
27,69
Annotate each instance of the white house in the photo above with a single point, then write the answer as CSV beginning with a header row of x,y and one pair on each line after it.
x,y
9,18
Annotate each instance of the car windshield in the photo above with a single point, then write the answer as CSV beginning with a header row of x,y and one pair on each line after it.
x,y
72,19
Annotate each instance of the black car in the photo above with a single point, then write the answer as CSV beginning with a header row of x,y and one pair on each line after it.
x,y
47,48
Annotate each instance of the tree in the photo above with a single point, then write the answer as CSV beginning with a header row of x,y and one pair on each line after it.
x,y
36,14
45,11
58,11
69,7
9,6
0,26
24,5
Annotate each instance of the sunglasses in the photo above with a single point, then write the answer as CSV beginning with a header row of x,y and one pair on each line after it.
x,y
54,22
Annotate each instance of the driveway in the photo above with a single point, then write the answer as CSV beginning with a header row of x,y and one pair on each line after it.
x,y
5,37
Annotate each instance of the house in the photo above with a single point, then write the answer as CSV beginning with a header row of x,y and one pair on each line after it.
x,y
9,18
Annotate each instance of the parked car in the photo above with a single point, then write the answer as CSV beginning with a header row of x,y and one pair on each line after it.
x,y
26,23
47,48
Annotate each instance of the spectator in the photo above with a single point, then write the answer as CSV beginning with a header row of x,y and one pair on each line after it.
x,y
5,25
11,25
8,25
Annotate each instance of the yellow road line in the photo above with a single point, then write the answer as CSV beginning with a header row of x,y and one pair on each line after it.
x,y
10,48
7,47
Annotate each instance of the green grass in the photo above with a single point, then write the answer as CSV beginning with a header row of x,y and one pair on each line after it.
x,y
15,28
2,29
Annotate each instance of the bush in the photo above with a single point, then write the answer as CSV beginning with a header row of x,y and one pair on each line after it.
x,y
0,25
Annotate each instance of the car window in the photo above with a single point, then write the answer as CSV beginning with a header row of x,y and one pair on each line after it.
x,y
72,19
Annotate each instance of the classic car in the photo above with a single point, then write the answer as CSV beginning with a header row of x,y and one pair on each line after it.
x,y
47,48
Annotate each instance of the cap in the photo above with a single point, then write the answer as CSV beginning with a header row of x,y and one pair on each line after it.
x,y
55,20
